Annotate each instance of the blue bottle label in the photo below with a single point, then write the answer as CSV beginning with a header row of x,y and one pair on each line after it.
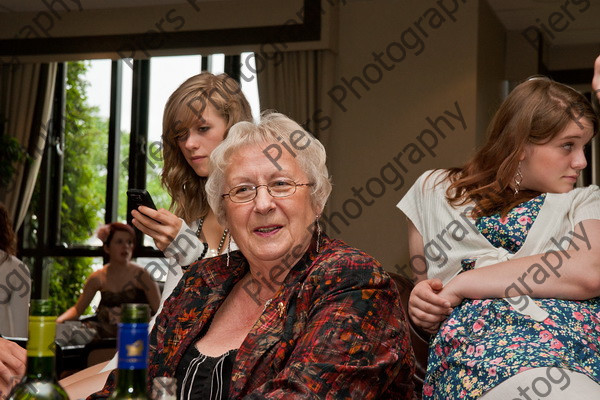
x,y
133,346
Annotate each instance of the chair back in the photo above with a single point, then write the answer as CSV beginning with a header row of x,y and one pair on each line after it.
x,y
418,337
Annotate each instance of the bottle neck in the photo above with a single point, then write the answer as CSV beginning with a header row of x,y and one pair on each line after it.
x,y
133,358
41,368
41,348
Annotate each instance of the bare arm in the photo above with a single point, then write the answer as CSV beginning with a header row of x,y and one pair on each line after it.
x,y
417,254
12,365
573,274
92,285
426,308
151,289
596,80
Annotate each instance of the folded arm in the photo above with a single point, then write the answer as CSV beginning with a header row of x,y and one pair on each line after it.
x,y
426,307
572,274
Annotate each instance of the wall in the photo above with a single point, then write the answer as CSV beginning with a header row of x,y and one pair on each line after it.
x,y
571,42
491,55
389,116
382,137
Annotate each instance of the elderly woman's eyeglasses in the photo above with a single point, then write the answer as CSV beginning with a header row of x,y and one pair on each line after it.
x,y
278,188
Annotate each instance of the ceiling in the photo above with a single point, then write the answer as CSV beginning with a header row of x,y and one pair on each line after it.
x,y
564,22
38,5
574,22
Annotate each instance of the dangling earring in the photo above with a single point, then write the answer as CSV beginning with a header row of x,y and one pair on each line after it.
x,y
228,249
318,231
518,179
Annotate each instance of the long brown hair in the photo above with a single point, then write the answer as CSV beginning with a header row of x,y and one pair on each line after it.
x,y
533,113
8,239
184,107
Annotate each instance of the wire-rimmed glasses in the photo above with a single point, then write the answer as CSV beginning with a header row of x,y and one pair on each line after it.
x,y
277,188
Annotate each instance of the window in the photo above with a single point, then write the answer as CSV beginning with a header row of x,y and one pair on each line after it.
x,y
103,111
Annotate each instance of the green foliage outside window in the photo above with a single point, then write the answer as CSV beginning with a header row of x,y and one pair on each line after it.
x,y
83,191
159,194
84,186
11,153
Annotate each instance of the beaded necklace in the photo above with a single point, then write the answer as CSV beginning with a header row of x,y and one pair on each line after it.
x,y
221,243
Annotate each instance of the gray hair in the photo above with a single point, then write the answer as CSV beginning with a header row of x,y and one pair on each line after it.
x,y
272,128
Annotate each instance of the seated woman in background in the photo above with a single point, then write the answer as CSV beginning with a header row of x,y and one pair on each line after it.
x,y
506,226
292,314
15,283
119,281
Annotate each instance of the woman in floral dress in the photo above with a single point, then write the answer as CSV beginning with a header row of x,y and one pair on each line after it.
x,y
512,257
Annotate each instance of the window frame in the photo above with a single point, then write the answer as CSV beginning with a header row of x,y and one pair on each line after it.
x,y
181,41
51,174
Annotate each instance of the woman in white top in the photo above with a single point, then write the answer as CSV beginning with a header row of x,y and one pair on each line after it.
x,y
15,292
197,117
15,283
488,238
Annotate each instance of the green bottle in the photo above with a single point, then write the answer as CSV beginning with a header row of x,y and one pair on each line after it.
x,y
40,380
133,353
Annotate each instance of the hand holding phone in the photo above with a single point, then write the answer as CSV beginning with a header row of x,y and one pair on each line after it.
x,y
168,226
140,197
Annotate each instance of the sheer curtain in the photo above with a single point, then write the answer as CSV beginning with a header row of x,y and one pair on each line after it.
x,y
26,93
295,83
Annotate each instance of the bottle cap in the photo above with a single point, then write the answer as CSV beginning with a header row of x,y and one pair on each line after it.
x,y
132,313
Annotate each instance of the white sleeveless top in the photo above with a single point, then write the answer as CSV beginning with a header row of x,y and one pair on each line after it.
x,y
450,235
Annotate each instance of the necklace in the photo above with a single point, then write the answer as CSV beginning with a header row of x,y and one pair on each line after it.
x,y
261,302
256,283
221,243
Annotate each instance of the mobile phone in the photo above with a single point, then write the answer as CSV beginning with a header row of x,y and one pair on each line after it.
x,y
140,197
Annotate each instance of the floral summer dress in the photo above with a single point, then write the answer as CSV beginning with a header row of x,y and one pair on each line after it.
x,y
484,342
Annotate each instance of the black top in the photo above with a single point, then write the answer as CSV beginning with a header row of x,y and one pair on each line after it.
x,y
203,377
109,309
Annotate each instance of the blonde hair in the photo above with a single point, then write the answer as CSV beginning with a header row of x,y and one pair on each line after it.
x,y
184,107
272,128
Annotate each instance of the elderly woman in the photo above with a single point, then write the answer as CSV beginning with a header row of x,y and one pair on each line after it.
x,y
292,314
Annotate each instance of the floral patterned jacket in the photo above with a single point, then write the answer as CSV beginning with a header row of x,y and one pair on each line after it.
x,y
334,330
